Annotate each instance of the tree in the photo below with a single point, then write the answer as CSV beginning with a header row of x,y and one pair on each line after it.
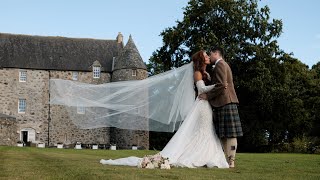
x,y
314,100
239,26
248,36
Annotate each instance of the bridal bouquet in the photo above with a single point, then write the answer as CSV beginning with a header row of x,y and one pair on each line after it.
x,y
154,161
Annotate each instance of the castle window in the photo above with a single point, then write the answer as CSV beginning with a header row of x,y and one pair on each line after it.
x,y
137,111
96,71
81,110
134,72
75,76
22,75
22,106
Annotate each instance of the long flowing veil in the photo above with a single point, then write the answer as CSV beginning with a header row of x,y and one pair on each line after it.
x,y
158,103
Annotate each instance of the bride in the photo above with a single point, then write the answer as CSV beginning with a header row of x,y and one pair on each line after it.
x,y
195,144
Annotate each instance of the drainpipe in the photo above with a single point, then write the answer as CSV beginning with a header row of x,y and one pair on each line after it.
x,y
49,118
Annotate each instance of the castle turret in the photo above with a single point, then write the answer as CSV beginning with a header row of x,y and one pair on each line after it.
x,y
129,66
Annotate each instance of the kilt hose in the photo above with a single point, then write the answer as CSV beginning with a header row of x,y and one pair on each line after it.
x,y
227,121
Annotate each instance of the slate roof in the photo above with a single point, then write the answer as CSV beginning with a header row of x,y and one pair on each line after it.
x,y
56,53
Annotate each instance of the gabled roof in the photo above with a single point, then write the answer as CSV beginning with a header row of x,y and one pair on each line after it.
x,y
129,57
56,53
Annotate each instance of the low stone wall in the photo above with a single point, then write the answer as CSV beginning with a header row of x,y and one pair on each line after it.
x,y
8,130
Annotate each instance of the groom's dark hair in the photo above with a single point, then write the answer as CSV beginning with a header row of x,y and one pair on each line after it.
x,y
219,49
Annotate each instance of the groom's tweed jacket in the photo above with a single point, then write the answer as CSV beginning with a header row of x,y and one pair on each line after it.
x,y
219,95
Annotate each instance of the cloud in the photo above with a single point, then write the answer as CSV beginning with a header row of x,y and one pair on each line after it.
x,y
318,36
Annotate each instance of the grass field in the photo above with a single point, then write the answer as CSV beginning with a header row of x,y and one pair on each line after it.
x,y
52,163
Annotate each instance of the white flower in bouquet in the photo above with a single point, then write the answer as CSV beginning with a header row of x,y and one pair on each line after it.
x,y
165,164
155,164
144,162
150,166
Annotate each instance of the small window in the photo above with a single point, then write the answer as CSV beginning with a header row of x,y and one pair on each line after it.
x,y
22,106
96,71
137,110
81,110
75,76
23,76
134,72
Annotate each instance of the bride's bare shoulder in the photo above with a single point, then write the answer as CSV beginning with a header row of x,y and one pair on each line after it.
x,y
197,76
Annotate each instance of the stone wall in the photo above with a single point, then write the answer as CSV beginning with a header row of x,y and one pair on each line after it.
x,y
62,129
126,75
123,138
8,131
86,77
35,91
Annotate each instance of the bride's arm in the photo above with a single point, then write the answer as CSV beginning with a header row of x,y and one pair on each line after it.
x,y
202,88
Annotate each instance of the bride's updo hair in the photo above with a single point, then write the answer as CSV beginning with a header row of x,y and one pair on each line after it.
x,y
199,63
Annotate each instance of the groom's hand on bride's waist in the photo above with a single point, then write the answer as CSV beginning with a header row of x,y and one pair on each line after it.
x,y
203,96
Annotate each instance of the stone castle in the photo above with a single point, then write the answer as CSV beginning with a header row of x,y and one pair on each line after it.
x,y
27,63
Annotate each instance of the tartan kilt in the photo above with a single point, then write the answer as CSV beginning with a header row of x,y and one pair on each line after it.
x,y
227,121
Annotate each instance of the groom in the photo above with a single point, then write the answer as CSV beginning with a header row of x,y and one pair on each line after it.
x,y
224,102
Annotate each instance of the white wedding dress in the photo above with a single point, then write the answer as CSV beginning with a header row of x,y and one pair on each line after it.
x,y
195,144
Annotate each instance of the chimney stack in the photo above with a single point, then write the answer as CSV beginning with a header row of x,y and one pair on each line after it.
x,y
120,38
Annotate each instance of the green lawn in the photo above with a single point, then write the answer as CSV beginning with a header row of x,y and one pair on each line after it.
x,y
52,163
